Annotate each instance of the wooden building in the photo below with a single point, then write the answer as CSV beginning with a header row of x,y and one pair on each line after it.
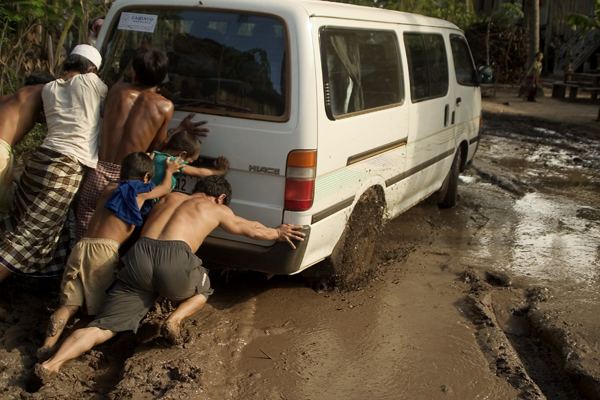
x,y
558,40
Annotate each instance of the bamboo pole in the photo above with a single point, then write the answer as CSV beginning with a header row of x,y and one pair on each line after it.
x,y
61,40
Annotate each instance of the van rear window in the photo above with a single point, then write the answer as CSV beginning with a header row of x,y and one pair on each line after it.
x,y
361,70
427,65
219,62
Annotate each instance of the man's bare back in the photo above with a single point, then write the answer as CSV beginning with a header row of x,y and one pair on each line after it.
x,y
135,119
19,112
178,216
191,218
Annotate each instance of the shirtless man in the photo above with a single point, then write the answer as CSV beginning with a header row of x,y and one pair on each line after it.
x,y
135,119
18,114
92,265
163,262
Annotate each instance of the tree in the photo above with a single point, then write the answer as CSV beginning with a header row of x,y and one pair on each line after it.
x,y
34,35
533,18
505,15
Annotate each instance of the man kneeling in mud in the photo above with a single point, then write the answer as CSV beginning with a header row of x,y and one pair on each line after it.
x,y
163,262
92,265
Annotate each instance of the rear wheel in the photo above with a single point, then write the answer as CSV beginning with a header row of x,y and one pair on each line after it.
x,y
451,196
351,263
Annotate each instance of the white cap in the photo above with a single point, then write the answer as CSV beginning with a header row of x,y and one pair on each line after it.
x,y
88,52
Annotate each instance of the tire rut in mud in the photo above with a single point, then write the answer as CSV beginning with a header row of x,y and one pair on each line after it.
x,y
508,333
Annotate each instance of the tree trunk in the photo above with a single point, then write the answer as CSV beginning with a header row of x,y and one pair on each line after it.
x,y
487,42
534,30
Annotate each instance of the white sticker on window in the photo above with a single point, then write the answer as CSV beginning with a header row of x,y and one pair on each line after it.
x,y
137,22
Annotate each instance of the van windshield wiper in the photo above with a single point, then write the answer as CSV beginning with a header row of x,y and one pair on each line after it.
x,y
197,102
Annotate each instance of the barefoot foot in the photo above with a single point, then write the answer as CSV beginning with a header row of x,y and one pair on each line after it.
x,y
40,377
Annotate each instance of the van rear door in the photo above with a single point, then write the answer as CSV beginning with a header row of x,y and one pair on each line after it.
x,y
233,69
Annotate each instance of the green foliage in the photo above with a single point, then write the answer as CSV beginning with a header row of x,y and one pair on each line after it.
x,y
584,22
29,143
369,3
31,35
19,10
508,12
454,11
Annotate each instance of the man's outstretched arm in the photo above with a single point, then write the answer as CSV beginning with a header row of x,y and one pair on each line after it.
x,y
233,224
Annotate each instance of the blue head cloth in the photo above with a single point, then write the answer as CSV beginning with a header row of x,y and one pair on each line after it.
x,y
123,201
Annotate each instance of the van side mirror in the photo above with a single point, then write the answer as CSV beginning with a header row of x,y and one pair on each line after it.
x,y
485,74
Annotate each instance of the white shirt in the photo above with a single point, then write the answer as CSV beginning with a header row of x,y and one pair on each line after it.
x,y
72,111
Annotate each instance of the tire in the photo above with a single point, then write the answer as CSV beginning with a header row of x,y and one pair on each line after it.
x,y
451,196
351,262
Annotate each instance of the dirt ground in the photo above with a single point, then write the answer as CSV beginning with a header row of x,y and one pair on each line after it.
x,y
496,298
503,100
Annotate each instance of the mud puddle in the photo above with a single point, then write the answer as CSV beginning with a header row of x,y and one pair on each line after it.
x,y
494,299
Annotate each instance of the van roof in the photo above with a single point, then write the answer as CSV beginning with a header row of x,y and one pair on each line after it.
x,y
322,8
314,8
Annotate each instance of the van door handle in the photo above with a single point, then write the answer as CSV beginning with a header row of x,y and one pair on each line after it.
x,y
446,114
458,101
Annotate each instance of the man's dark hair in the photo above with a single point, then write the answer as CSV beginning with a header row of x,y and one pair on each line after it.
x,y
183,141
214,185
38,78
150,66
135,166
78,63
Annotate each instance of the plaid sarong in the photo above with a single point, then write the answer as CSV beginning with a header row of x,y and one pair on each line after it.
x,y
93,184
33,239
6,177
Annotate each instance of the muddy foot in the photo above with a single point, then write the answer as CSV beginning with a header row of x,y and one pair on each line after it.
x,y
44,353
40,377
171,335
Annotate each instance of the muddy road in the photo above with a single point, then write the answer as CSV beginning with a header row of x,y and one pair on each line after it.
x,y
496,298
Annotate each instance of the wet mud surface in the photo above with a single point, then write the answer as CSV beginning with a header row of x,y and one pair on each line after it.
x,y
496,298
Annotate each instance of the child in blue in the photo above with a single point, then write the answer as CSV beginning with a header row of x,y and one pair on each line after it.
x,y
187,147
92,265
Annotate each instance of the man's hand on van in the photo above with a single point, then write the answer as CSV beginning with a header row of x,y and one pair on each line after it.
x,y
287,232
221,165
193,127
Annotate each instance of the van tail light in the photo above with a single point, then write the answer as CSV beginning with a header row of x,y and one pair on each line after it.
x,y
300,179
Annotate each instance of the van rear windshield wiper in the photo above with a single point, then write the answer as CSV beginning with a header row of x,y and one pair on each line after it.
x,y
197,102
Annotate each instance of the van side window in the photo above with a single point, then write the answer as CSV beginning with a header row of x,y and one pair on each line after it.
x,y
361,70
219,62
463,61
427,65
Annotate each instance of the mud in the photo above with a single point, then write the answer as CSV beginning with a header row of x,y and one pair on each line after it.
x,y
496,298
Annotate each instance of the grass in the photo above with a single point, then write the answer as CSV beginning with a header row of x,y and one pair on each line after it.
x,y
29,143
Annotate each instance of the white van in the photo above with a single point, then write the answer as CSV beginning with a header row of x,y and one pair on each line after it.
x,y
333,116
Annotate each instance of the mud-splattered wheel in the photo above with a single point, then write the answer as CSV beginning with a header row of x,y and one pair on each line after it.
x,y
351,262
450,197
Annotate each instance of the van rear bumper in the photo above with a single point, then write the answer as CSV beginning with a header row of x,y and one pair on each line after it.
x,y
279,258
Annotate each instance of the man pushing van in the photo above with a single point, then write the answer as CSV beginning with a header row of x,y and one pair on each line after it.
x,y
163,262
135,119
